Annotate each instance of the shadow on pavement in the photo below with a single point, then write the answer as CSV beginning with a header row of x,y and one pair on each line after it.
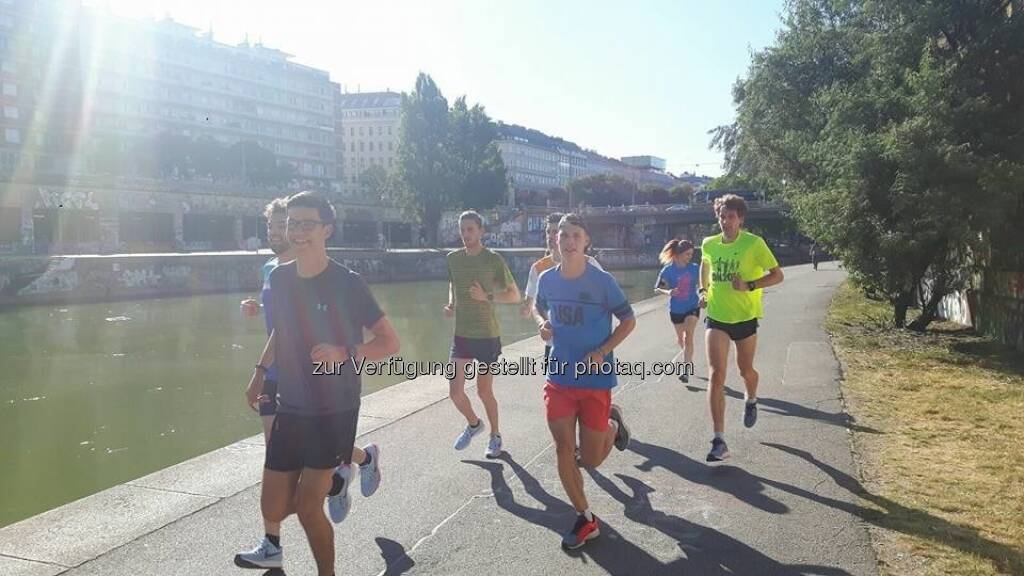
x,y
894,516
729,479
707,550
396,560
784,408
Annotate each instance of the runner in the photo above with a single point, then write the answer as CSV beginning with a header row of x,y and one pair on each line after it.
x,y
320,311
575,304
549,260
732,275
276,214
478,279
679,279
814,256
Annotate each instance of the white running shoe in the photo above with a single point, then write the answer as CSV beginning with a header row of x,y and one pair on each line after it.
x,y
369,475
462,442
266,555
494,447
339,504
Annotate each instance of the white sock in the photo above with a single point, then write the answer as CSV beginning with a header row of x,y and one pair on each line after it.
x,y
588,515
720,435
751,399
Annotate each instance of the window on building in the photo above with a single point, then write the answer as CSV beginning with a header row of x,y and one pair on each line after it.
x,y
389,146
360,130
361,147
10,89
11,112
380,130
370,145
12,135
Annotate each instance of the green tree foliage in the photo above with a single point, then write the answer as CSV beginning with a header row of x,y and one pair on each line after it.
x,y
447,158
168,154
897,127
602,190
374,183
682,193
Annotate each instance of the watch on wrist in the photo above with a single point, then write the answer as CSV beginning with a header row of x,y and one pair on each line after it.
x,y
752,285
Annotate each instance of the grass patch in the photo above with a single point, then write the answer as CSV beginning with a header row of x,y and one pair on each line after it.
x,y
944,478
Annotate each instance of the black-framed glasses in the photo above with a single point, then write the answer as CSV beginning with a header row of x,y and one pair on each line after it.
x,y
304,225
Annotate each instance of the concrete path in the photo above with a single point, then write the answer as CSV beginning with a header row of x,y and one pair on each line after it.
x,y
784,503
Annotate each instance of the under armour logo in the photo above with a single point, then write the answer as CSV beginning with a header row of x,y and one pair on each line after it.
x,y
321,307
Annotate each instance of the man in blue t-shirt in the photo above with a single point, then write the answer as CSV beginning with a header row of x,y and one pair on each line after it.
x,y
679,280
575,304
276,214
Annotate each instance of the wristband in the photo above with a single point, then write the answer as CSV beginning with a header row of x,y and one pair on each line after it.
x,y
752,285
261,368
702,291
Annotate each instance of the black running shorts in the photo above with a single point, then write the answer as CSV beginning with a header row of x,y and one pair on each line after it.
x,y
737,331
485,350
321,442
680,318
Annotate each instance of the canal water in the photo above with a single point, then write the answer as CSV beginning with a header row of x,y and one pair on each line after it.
x,y
94,395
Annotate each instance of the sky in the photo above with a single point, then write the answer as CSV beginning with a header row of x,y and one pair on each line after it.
x,y
653,78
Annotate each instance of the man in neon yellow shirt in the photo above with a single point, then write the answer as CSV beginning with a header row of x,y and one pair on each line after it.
x,y
735,266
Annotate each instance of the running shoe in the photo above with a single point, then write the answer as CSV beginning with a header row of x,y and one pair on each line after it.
x,y
494,447
338,501
719,451
369,474
622,436
266,555
583,531
750,414
462,442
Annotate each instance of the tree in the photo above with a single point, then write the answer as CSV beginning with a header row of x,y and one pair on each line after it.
x,y
602,190
682,193
422,164
898,130
446,158
475,161
374,183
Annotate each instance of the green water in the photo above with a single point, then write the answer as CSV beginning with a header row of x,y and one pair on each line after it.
x,y
94,395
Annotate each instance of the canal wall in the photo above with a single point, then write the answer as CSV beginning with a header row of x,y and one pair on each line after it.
x,y
28,280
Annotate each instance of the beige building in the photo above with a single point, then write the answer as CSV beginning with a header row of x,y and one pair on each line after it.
x,y
367,135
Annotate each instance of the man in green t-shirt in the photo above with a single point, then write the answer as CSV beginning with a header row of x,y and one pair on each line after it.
x,y
735,266
478,279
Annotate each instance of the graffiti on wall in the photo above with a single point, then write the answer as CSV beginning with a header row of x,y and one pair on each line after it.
x,y
76,199
60,276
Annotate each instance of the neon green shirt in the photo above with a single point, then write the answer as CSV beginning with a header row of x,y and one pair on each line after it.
x,y
747,256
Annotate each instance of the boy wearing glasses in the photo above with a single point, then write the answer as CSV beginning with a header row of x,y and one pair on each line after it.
x,y
320,311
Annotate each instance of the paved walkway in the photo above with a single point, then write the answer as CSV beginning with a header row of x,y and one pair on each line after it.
x,y
784,503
